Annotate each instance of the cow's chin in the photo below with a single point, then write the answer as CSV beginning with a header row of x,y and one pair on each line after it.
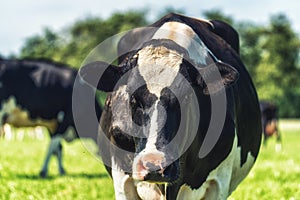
x,y
146,190
167,175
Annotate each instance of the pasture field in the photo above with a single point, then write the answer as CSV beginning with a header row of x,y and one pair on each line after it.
x,y
276,175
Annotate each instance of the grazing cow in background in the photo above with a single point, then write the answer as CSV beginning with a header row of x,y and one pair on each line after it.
x,y
39,93
151,103
269,118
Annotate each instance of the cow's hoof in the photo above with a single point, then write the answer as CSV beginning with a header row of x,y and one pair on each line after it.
x,y
62,172
43,174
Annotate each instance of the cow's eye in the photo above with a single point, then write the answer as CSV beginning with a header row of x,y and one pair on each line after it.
x,y
139,114
122,138
135,103
132,101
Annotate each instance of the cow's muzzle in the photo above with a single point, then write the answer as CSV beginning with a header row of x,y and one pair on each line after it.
x,y
154,167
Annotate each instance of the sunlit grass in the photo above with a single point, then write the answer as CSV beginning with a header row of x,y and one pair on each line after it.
x,y
276,175
20,162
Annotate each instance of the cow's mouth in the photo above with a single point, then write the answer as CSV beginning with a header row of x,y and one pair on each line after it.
x,y
153,168
167,175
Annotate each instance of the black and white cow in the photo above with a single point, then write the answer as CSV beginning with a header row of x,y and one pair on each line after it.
x,y
161,114
39,93
269,118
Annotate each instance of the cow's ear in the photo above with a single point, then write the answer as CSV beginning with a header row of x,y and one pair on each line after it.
x,y
101,75
216,76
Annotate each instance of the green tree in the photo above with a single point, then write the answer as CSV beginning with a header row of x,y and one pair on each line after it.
x,y
250,45
270,53
218,15
170,9
75,42
277,75
72,45
46,45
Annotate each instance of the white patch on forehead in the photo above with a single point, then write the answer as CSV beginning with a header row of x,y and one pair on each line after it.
x,y
184,36
158,66
222,180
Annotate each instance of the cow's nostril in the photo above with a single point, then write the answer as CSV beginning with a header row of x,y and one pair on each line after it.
x,y
148,163
153,162
152,167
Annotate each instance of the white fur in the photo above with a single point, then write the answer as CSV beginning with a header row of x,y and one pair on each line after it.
x,y
118,115
184,36
158,66
224,178
149,191
152,138
150,146
140,174
123,184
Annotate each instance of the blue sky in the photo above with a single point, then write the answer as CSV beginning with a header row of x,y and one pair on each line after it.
x,y
22,19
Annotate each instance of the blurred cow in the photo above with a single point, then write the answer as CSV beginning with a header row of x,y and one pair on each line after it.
x,y
8,132
269,117
39,93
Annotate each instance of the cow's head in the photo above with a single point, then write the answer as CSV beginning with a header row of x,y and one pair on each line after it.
x,y
155,83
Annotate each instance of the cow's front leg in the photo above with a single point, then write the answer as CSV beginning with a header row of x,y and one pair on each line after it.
x,y
53,147
59,153
123,184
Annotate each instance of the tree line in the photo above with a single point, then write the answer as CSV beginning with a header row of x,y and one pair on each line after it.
x,y
270,51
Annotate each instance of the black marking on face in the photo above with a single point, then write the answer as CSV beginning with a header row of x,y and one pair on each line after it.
x,y
168,127
140,102
122,139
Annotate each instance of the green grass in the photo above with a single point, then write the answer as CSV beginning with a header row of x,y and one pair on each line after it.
x,y
274,176
20,162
